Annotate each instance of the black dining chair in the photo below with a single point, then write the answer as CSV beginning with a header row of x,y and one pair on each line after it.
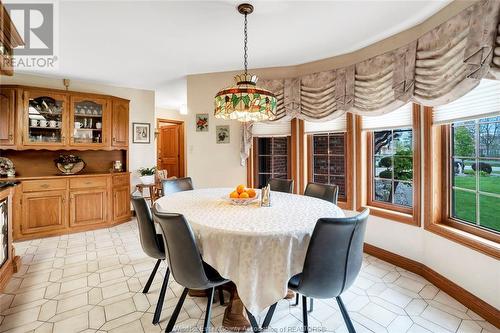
x,y
333,261
326,192
281,185
186,264
152,245
170,186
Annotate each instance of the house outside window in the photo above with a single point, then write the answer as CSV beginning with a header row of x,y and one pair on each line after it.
x,y
392,161
328,160
272,159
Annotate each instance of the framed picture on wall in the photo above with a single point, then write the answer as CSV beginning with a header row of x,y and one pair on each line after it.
x,y
141,133
222,134
202,122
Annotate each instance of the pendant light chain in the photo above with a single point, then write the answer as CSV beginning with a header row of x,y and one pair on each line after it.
x,y
245,101
245,49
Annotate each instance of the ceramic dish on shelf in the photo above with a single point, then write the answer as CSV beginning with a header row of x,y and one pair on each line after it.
x,y
71,168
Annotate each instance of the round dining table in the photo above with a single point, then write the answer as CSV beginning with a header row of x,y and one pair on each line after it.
x,y
258,248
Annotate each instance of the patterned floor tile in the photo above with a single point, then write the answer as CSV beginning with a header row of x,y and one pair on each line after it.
x,y
93,281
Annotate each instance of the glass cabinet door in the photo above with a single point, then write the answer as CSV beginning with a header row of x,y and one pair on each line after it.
x,y
87,121
45,119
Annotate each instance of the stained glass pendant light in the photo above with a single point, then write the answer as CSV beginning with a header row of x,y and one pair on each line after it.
x,y
245,101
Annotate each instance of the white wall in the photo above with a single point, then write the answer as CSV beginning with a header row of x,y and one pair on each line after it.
x,y
142,109
211,164
470,269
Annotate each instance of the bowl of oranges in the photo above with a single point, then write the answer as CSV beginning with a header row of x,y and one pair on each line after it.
x,y
242,195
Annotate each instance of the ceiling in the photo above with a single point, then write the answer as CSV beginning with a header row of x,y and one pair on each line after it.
x,y
155,44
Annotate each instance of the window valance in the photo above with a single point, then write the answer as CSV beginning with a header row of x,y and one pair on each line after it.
x,y
437,68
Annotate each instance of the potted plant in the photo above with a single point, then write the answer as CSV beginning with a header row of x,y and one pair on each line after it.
x,y
147,175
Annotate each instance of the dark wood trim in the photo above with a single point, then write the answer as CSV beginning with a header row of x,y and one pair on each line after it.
x,y
358,135
301,185
485,310
249,166
182,156
349,163
293,154
436,203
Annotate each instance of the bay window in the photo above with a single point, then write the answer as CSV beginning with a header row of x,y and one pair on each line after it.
x,y
475,176
462,170
388,164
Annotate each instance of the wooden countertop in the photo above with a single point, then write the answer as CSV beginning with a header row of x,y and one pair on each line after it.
x,y
64,176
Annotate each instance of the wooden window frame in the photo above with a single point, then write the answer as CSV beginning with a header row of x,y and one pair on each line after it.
x,y
293,144
364,177
255,160
370,179
345,203
437,173
306,166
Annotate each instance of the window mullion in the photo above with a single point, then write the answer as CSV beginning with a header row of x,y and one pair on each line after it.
x,y
478,172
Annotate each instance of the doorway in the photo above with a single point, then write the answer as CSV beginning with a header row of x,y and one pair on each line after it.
x,y
170,147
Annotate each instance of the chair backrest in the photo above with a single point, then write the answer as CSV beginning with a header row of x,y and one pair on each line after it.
x,y
334,256
184,259
170,186
323,191
147,232
281,185
161,175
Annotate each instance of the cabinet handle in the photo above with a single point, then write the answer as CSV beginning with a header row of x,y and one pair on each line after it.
x,y
44,185
11,136
114,139
63,199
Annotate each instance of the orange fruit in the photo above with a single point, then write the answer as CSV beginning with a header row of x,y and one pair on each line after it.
x,y
251,193
234,195
244,195
240,189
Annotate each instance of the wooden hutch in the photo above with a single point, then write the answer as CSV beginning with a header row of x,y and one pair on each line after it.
x,y
39,124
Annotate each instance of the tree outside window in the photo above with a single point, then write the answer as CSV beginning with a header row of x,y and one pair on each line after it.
x,y
475,162
393,167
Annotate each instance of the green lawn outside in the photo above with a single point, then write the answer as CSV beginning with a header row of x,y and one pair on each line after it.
x,y
489,207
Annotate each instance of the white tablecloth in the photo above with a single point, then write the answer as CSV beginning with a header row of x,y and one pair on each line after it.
x,y
258,248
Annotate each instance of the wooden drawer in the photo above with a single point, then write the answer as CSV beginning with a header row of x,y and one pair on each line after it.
x,y
44,185
88,182
120,180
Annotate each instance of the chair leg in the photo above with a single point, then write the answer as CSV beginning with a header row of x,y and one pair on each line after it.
x,y
221,295
177,309
210,296
311,304
296,298
304,314
161,298
151,277
347,319
253,322
269,316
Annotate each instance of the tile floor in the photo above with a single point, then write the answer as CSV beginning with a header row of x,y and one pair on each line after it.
x,y
92,282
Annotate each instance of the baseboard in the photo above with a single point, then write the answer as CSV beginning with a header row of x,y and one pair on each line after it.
x,y
485,310
7,272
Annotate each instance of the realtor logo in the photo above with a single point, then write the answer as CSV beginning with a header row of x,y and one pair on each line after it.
x,y
38,26
35,23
